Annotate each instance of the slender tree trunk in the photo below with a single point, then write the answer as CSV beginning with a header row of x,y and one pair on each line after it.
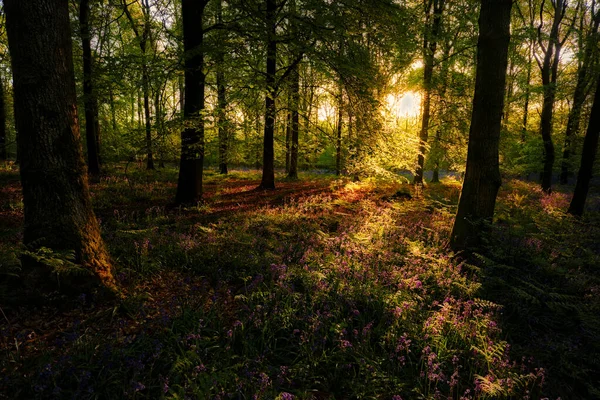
x,y
223,123
509,94
588,156
436,147
189,185
222,100
338,145
268,172
58,209
113,112
3,152
527,93
549,72
158,126
147,119
482,177
288,134
295,128
92,125
579,97
435,7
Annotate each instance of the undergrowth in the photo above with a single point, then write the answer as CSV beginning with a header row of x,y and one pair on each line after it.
x,y
322,289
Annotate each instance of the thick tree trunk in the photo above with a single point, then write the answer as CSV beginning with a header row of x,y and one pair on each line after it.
x,y
3,152
295,128
588,155
189,185
429,47
579,97
268,168
222,102
482,177
58,209
92,124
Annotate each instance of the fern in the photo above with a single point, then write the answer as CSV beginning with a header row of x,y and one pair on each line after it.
x,y
60,262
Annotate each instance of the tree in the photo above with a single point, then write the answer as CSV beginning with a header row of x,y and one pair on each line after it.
x,y
549,70
223,121
92,125
268,175
3,152
189,185
433,10
482,176
58,210
144,41
581,91
588,155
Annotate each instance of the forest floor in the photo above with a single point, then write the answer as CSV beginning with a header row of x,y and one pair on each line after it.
x,y
322,289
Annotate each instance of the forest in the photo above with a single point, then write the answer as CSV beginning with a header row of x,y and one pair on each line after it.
x,y
299,199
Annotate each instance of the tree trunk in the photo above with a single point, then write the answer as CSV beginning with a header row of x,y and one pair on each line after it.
x,y
189,185
527,94
549,72
58,209
3,152
579,97
338,145
588,155
288,134
268,170
222,100
92,124
436,147
295,128
429,47
482,176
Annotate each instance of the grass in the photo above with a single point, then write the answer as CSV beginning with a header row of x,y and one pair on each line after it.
x,y
322,289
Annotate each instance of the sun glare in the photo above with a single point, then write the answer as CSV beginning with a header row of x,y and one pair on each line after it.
x,y
404,105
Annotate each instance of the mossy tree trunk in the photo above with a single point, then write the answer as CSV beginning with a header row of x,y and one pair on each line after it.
x,y
482,176
58,210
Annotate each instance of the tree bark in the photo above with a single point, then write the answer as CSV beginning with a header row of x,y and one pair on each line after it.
x,y
435,7
482,176
189,185
268,168
588,156
92,124
58,209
